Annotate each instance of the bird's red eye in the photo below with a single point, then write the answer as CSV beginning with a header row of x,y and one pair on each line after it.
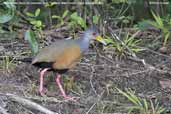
x,y
94,33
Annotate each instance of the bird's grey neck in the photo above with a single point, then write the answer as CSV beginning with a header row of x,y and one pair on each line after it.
x,y
84,43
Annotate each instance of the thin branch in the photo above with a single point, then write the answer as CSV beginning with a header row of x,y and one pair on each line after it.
x,y
91,108
99,98
29,103
91,77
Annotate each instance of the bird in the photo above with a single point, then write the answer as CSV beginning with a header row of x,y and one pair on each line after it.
x,y
63,55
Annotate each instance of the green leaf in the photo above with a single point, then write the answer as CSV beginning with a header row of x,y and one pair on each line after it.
x,y
56,17
126,21
31,37
166,38
50,4
5,18
37,12
65,14
158,20
38,23
30,14
9,4
7,14
109,41
127,95
145,104
78,20
74,15
82,23
95,19
33,22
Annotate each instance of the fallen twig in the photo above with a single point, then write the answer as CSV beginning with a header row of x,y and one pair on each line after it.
x,y
99,98
29,103
91,77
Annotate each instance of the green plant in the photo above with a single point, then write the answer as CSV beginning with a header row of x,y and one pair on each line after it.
x,y
142,25
128,42
50,4
7,11
8,63
31,37
95,19
61,18
37,24
141,105
124,20
163,25
76,20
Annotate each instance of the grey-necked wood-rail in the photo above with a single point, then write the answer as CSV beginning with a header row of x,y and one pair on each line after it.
x,y
63,55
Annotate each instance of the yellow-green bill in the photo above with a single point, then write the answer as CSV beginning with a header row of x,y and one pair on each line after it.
x,y
100,39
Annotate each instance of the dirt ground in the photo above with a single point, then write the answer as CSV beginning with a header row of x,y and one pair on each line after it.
x,y
93,80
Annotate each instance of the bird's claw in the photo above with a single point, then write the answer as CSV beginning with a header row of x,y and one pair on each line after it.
x,y
42,91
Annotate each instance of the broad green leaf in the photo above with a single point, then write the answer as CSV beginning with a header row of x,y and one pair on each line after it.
x,y
78,20
37,12
81,22
95,19
74,15
8,14
5,18
31,37
33,22
65,14
38,23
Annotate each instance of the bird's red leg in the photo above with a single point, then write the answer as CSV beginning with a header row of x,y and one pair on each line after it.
x,y
61,88
41,90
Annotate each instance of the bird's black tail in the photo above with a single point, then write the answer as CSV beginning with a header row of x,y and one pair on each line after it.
x,y
26,60
22,59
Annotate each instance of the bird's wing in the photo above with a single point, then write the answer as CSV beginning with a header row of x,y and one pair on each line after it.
x,y
50,53
63,55
68,58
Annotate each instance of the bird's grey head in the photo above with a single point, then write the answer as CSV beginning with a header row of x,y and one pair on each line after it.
x,y
91,33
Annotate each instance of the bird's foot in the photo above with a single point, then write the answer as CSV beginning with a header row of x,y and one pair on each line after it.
x,y
42,91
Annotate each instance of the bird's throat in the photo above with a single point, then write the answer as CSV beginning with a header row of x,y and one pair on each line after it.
x,y
84,44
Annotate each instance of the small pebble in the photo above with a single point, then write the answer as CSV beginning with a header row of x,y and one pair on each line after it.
x,y
163,50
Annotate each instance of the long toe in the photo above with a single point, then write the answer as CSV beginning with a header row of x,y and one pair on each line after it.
x,y
43,91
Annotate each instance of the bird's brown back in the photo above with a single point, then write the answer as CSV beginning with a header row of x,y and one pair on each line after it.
x,y
62,54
